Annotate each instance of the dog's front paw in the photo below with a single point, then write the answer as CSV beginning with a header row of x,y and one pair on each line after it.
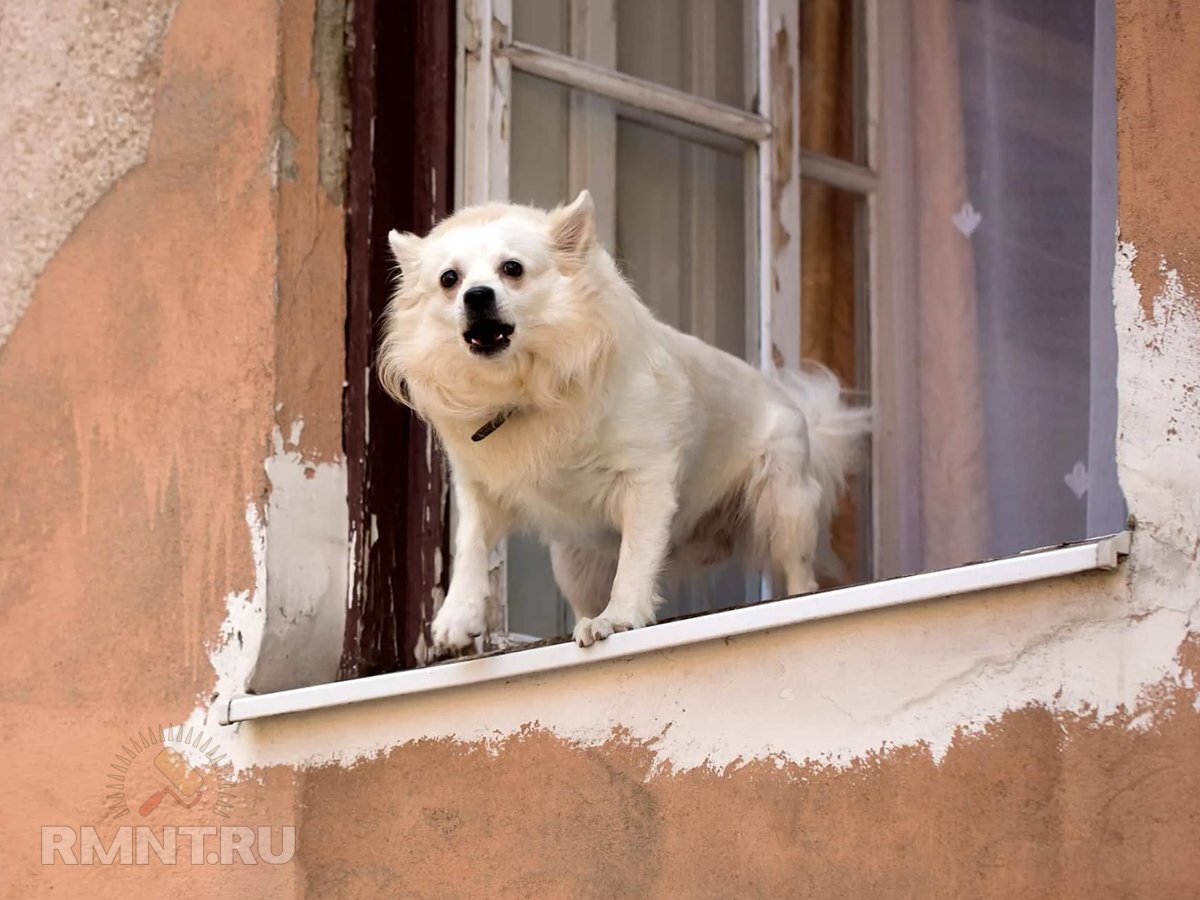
x,y
588,631
457,624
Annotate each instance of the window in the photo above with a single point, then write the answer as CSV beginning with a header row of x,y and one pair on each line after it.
x,y
995,345
918,193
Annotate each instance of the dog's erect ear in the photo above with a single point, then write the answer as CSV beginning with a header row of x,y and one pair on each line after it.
x,y
573,228
404,249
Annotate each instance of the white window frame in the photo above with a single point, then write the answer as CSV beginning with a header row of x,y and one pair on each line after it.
x,y
488,55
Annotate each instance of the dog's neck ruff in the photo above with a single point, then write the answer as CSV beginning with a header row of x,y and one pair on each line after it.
x,y
499,419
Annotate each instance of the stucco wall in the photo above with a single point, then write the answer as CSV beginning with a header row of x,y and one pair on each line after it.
x,y
1029,742
194,256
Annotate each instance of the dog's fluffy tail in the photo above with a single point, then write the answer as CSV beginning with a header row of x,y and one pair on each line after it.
x,y
838,439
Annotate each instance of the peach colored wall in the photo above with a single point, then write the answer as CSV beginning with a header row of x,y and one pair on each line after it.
x,y
169,330
1032,742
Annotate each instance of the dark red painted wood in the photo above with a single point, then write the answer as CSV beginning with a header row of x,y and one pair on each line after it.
x,y
401,160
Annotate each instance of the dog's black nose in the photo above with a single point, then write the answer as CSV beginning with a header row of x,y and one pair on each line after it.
x,y
479,299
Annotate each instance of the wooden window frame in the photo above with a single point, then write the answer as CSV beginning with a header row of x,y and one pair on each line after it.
x,y
402,80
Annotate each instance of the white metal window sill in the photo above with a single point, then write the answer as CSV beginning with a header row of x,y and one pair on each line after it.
x,y
1035,565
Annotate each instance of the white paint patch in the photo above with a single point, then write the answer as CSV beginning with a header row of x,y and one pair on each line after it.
x,y
308,544
1159,378
288,631
236,650
838,690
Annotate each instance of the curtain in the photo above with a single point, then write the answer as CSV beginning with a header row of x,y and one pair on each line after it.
x,y
998,225
954,487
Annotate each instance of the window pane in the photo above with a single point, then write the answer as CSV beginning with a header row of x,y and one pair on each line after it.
x,y
832,79
679,229
834,319
1030,98
703,47
681,233
1000,207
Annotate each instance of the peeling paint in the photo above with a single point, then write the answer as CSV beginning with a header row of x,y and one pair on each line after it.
x,y
284,166
77,83
830,693
307,524
333,116
289,626
780,323
237,649
783,106
1160,358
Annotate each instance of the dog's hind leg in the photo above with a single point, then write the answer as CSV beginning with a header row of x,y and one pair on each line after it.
x,y
785,514
584,576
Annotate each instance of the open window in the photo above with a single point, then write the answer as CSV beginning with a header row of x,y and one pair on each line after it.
x,y
918,193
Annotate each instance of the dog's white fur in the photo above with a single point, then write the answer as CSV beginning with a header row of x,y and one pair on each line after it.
x,y
632,448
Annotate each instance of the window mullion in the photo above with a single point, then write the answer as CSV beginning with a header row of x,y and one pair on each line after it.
x,y
483,135
484,151
870,69
838,173
592,123
779,183
698,189
637,92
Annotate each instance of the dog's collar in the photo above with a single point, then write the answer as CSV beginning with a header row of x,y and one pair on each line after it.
x,y
486,429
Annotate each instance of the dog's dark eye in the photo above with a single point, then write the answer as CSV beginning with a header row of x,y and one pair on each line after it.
x,y
512,269
449,278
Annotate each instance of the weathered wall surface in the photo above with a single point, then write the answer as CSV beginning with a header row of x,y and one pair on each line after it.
x,y
1032,742
77,82
170,202
1037,742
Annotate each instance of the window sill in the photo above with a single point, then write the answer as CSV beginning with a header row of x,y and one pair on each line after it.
x,y
1035,565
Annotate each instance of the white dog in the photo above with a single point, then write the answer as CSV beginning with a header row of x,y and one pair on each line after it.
x,y
564,406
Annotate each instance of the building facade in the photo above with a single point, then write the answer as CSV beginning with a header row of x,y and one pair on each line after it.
x,y
177,530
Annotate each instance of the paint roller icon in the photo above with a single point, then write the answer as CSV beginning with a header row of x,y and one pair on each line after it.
x,y
185,779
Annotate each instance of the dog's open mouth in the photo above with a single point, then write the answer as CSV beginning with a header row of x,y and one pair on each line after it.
x,y
488,337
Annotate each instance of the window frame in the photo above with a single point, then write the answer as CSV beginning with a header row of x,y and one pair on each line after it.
x,y
487,57
401,163
406,78
430,85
